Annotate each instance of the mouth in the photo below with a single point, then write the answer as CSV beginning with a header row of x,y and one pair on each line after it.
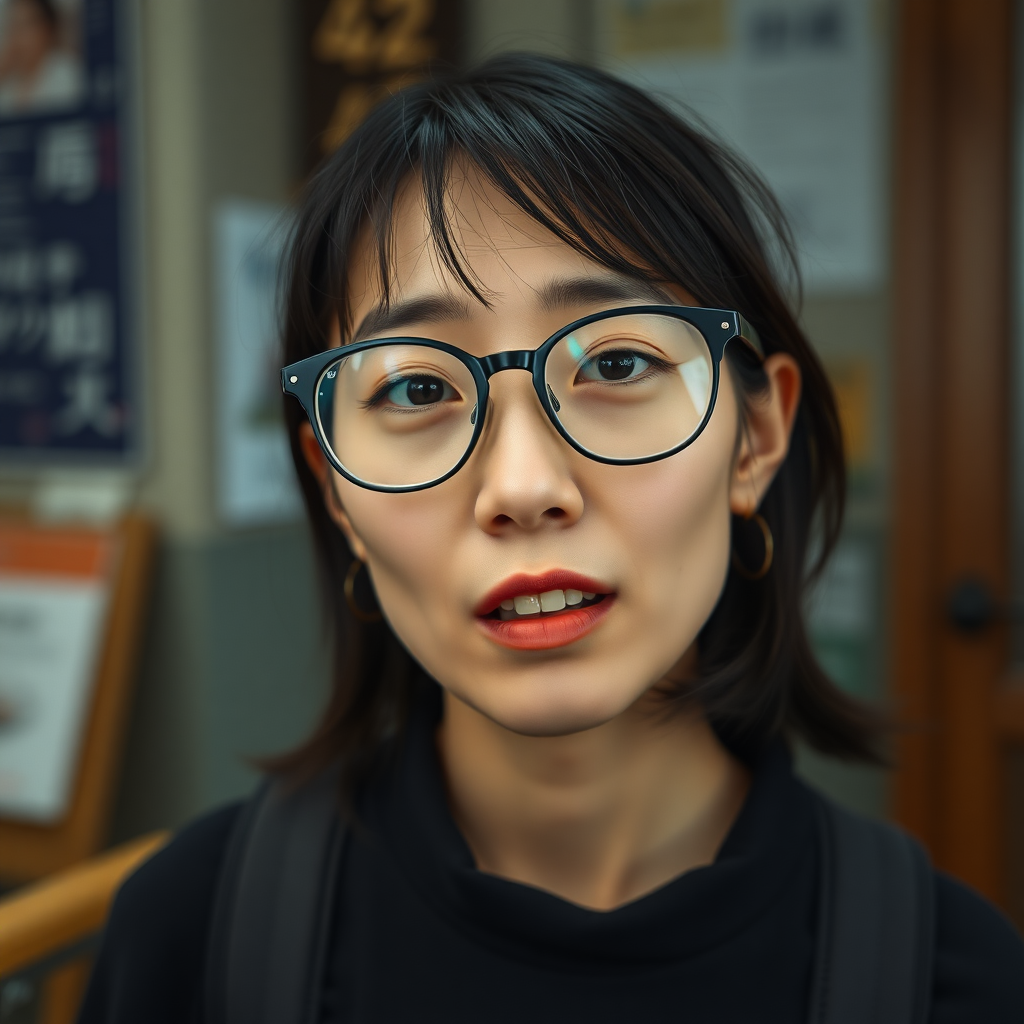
x,y
542,612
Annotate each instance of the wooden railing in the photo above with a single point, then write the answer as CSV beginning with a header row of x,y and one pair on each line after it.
x,y
48,930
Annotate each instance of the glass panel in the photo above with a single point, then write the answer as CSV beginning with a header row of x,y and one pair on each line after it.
x,y
397,415
630,387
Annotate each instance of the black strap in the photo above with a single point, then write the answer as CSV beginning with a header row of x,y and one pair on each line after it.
x,y
876,931
269,931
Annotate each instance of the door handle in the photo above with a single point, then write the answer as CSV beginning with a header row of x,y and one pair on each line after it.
x,y
972,607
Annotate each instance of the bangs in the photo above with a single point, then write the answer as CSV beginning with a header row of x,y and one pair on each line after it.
x,y
621,192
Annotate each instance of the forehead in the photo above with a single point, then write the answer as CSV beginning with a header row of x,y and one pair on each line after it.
x,y
505,252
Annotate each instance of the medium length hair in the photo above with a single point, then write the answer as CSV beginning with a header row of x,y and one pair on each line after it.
x,y
635,187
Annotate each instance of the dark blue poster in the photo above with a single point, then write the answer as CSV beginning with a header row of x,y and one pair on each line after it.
x,y
67,380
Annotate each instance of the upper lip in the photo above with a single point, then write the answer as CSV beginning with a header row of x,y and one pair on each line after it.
x,y
525,583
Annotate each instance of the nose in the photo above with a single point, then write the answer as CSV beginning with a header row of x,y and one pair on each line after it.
x,y
523,466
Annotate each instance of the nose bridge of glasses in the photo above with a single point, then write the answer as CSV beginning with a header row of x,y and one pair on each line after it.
x,y
520,359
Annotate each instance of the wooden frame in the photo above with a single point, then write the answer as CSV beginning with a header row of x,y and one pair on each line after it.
x,y
29,851
951,354
1009,709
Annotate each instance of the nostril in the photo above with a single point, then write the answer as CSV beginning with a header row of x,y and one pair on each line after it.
x,y
556,513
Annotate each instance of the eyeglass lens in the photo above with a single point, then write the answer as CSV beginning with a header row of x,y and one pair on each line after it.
x,y
632,386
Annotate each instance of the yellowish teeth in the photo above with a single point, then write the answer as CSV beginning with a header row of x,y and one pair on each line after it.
x,y
527,604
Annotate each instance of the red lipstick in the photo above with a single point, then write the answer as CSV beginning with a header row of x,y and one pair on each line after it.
x,y
524,583
550,630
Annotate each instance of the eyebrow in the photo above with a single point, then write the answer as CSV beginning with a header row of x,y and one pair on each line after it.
x,y
575,291
430,309
558,294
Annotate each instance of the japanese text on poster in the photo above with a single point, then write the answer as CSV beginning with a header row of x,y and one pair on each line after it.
x,y
66,383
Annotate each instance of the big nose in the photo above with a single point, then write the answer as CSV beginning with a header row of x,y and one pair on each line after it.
x,y
524,467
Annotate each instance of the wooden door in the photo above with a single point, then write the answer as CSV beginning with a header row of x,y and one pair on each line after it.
x,y
960,706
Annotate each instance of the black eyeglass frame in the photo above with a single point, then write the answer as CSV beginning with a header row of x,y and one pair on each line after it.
x,y
717,327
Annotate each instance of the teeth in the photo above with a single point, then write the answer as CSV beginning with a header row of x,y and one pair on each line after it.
x,y
526,605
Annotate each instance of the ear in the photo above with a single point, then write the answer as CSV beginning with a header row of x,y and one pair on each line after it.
x,y
766,434
325,477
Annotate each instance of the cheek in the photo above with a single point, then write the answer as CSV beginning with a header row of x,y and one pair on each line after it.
x,y
409,540
673,520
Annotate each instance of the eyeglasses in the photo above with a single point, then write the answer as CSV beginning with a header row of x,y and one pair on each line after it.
x,y
623,386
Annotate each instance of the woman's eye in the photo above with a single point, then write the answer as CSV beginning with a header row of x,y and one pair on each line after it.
x,y
618,364
419,391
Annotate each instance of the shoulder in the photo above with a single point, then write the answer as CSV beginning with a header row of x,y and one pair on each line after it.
x,y
176,885
151,959
979,959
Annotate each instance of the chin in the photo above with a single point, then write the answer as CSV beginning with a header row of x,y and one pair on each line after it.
x,y
546,710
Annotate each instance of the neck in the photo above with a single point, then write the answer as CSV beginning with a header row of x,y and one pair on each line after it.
x,y
599,817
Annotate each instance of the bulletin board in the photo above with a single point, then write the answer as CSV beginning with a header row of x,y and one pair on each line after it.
x,y
798,89
72,608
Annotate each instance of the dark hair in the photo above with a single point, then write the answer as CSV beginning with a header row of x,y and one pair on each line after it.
x,y
636,188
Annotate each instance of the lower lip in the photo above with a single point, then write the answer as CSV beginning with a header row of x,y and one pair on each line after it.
x,y
548,631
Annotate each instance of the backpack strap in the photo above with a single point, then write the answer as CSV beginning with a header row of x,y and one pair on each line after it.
x,y
272,913
876,928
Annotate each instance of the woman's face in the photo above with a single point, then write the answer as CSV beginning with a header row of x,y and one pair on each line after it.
x,y
655,538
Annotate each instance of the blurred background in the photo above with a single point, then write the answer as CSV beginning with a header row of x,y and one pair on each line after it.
x,y
148,154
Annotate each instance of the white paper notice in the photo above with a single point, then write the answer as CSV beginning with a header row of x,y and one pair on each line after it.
x,y
796,86
256,482
50,631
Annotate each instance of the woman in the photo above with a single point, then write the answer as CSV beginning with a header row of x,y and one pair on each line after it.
x,y
564,747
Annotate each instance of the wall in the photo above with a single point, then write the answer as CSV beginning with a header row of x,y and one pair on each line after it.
x,y
234,661
560,27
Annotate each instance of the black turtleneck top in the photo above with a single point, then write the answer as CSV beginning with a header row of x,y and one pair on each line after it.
x,y
421,935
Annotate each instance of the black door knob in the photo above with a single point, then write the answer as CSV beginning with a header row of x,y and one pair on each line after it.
x,y
971,606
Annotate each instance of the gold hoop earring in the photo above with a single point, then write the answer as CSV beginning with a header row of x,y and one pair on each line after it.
x,y
769,551
350,594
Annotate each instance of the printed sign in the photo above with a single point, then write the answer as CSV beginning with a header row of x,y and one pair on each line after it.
x,y
256,483
67,390
797,87
54,590
359,50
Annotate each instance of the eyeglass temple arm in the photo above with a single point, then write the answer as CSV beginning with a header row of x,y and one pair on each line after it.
x,y
748,334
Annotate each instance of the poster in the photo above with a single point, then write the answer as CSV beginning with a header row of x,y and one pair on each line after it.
x,y
54,591
67,379
796,86
355,52
256,482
